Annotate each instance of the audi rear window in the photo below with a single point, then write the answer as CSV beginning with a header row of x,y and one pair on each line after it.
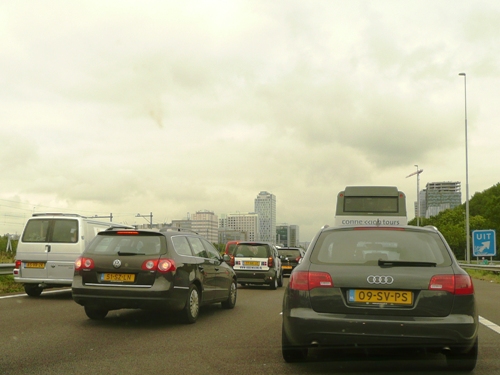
x,y
369,246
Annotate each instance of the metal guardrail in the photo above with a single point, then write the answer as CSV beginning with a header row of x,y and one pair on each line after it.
x,y
483,267
6,268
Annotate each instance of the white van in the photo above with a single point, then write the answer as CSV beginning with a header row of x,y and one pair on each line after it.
x,y
49,246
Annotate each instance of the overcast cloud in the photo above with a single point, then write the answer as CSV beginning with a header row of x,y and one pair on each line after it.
x,y
172,107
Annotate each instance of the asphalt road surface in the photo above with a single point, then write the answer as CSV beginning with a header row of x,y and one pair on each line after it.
x,y
52,335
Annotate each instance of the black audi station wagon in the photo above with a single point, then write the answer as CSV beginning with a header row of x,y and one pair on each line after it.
x,y
381,287
153,270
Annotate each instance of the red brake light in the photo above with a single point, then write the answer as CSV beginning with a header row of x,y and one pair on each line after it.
x,y
18,264
305,280
297,259
160,265
270,262
455,284
231,260
83,263
127,233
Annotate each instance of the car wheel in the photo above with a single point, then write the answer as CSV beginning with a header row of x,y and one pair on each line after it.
x,y
95,313
280,280
274,283
192,308
290,352
231,299
33,290
460,361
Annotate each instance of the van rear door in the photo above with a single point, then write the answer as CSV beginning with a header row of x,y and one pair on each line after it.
x,y
64,246
32,249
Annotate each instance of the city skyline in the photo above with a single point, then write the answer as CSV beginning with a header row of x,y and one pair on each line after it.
x,y
166,107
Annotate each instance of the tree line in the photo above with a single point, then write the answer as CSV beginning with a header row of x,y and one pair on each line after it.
x,y
484,213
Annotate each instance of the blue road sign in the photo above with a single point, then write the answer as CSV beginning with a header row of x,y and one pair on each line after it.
x,y
484,243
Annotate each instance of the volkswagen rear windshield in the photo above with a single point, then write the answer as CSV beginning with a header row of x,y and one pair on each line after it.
x,y
127,245
376,247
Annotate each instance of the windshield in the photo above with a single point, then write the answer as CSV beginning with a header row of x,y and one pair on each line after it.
x,y
289,253
251,250
370,246
127,245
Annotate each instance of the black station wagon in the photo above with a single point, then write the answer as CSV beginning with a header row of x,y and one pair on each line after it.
x,y
143,269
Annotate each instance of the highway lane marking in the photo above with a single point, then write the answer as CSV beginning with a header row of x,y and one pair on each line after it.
x,y
25,295
489,324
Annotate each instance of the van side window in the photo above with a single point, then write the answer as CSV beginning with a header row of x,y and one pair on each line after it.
x,y
65,231
36,231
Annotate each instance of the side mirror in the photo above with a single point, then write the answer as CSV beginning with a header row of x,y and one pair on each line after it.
x,y
226,258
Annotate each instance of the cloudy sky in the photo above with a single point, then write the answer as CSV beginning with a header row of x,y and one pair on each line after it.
x,y
171,107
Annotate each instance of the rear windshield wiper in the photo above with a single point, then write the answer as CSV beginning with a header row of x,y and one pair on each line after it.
x,y
404,263
129,253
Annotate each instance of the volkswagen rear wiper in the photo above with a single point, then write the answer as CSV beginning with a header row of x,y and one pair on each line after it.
x,y
404,263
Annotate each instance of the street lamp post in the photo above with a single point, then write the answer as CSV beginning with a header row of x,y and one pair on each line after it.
x,y
467,229
418,191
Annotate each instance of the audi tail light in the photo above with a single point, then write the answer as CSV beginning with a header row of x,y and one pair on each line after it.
x,y
307,280
455,284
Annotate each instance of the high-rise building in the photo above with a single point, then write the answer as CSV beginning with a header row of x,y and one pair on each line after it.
x,y
294,236
206,224
287,235
244,222
440,196
265,207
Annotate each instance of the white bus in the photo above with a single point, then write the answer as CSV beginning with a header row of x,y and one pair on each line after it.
x,y
371,205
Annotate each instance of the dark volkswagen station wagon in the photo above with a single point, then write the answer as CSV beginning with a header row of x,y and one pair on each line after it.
x,y
172,270
381,287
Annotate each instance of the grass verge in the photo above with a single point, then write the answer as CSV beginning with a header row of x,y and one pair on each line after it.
x,y
484,275
8,285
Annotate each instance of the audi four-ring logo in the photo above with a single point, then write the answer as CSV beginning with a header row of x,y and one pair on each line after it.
x,y
380,279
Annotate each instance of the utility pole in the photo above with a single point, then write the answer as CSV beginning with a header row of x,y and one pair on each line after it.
x,y
418,191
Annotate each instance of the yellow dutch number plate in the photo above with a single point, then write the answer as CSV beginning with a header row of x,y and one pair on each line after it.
x,y
251,263
287,267
34,265
397,297
119,277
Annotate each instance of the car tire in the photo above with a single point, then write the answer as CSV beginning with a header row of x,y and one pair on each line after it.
x,y
33,290
95,313
192,309
274,283
231,299
462,361
280,280
290,352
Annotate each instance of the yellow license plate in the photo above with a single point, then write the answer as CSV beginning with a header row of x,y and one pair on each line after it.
x,y
396,297
34,265
287,267
118,277
248,263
